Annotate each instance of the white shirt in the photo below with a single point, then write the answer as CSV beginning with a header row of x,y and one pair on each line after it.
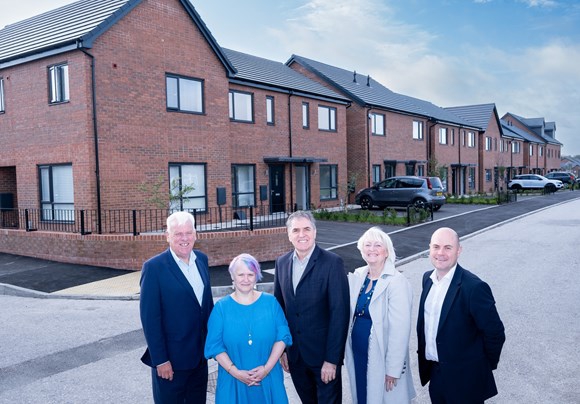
x,y
191,272
432,313
298,267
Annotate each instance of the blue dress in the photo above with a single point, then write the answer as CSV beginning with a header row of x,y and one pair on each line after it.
x,y
247,334
361,330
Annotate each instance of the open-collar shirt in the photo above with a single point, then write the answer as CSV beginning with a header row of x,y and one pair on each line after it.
x,y
298,267
191,273
433,306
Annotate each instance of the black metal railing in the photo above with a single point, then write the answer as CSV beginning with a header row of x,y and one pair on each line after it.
x,y
140,221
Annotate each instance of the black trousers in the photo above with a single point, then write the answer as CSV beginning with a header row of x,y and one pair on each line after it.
x,y
310,387
441,390
188,386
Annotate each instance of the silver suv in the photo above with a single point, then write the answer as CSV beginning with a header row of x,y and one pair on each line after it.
x,y
401,191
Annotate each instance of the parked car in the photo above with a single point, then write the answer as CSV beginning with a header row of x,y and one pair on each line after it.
x,y
566,178
402,191
534,181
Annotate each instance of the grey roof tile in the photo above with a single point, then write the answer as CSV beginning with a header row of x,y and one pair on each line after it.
x,y
515,132
57,27
479,115
271,73
364,90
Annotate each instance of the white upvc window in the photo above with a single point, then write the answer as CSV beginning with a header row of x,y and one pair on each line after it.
x,y
58,83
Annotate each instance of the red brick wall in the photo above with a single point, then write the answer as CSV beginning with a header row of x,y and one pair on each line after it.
x,y
46,134
128,252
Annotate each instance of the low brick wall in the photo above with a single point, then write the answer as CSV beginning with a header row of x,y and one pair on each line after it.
x,y
129,252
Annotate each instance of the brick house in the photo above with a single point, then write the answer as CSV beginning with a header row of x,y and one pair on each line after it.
x,y
109,103
493,155
110,96
542,151
392,134
513,145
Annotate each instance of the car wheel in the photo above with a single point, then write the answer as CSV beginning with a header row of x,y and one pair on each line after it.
x,y
516,187
366,202
436,208
550,188
419,203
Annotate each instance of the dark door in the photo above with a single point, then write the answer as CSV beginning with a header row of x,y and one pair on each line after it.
x,y
277,197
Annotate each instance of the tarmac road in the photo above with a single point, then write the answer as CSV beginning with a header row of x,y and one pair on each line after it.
x,y
87,351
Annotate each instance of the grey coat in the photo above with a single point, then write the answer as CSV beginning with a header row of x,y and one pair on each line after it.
x,y
390,311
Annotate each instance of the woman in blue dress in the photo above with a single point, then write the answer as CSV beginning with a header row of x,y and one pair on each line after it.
x,y
247,333
377,348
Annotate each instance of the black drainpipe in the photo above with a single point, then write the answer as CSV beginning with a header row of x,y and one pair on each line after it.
x,y
368,175
290,94
95,137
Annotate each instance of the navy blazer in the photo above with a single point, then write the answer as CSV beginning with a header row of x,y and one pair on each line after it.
x,y
318,312
174,323
470,337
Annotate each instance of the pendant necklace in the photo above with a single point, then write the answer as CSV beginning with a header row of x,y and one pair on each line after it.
x,y
249,325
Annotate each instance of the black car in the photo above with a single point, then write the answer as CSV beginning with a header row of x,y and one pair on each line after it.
x,y
402,191
566,178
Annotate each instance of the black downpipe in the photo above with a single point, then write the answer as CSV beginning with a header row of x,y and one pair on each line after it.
x,y
96,139
368,175
290,149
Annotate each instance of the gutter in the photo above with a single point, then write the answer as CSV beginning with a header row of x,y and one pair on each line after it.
x,y
95,135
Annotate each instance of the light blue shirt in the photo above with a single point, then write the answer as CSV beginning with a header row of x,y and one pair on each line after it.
x,y
191,273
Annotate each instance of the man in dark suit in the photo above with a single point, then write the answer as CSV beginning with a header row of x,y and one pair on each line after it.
x,y
312,288
175,305
459,332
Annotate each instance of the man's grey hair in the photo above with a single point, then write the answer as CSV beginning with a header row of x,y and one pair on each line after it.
x,y
179,218
299,214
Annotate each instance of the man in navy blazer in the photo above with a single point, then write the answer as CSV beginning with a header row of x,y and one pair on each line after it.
x,y
459,332
175,305
312,288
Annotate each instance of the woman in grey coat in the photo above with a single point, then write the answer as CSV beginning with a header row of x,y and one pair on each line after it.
x,y
377,349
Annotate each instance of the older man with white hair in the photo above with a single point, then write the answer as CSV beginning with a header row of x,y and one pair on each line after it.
x,y
175,305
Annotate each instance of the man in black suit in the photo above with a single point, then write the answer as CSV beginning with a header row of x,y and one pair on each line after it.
x,y
459,332
175,305
312,288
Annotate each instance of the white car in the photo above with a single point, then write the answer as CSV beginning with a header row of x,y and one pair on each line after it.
x,y
534,181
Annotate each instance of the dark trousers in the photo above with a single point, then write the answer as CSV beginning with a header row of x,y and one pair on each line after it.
x,y
441,390
188,386
310,387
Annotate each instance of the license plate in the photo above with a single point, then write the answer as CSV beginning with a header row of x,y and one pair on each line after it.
x,y
439,193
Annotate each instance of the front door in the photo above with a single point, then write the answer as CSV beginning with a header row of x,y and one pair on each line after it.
x,y
277,197
302,188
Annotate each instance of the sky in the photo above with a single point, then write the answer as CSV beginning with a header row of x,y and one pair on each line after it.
x,y
522,55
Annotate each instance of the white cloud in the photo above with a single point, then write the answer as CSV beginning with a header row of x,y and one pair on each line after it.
x,y
364,36
539,3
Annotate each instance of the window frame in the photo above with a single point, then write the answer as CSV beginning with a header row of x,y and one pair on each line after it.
x,y
471,139
58,83
375,124
331,114
2,102
182,204
232,106
471,177
52,213
305,115
417,130
270,109
443,136
376,170
488,143
236,193
332,187
179,79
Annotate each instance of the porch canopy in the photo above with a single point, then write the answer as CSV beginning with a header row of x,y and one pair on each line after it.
x,y
296,160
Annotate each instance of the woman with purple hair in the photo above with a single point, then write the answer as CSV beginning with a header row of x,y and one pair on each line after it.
x,y
247,333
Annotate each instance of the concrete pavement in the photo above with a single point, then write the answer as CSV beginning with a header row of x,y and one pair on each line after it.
x,y
71,351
